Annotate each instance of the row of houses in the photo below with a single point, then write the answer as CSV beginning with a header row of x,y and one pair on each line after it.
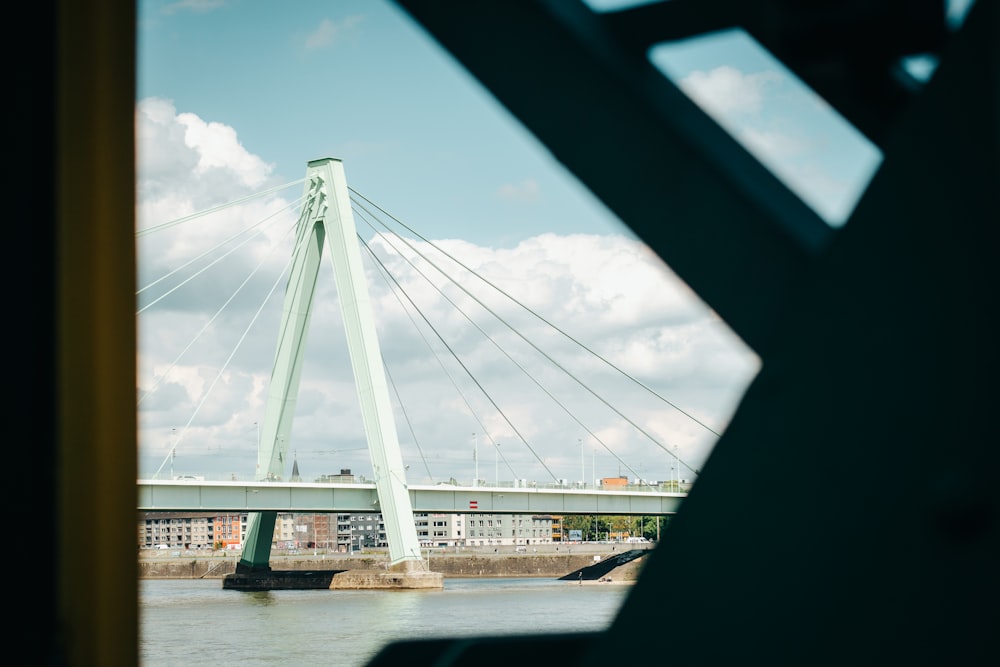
x,y
343,532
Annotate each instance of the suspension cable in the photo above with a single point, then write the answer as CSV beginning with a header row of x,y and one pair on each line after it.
x,y
211,320
218,259
500,348
477,383
406,417
225,365
221,207
387,275
545,321
525,339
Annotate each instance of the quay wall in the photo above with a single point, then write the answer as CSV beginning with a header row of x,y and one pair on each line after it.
x,y
191,565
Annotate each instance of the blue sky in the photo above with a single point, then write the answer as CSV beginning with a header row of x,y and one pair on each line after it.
x,y
235,96
360,82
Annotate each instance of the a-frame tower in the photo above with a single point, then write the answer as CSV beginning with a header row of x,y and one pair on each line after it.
x,y
326,217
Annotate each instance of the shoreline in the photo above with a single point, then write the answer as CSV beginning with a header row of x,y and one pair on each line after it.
x,y
470,564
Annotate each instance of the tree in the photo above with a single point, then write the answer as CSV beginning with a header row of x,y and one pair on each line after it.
x,y
576,522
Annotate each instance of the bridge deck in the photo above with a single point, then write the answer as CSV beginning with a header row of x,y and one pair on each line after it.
x,y
161,495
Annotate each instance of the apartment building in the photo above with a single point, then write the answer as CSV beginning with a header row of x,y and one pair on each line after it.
x,y
177,530
507,529
343,532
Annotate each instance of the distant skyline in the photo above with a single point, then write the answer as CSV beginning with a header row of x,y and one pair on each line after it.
x,y
235,97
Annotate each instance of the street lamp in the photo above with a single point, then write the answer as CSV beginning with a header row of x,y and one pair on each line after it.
x,y
677,462
475,457
496,464
173,451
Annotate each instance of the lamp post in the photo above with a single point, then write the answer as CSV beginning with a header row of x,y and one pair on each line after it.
x,y
583,467
475,457
173,451
678,459
496,464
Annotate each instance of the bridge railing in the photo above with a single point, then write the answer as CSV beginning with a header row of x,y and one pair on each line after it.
x,y
652,487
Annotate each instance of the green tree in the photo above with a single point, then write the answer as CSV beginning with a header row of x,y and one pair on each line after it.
x,y
581,522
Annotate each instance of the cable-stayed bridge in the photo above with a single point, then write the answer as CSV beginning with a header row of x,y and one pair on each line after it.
x,y
326,213
193,495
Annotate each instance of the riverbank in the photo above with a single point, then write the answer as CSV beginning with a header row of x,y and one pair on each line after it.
x,y
545,561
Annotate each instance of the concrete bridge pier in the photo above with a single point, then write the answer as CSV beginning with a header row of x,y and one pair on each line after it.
x,y
406,574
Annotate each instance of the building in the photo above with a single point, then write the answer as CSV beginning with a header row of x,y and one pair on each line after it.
x,y
345,477
230,530
177,530
364,531
440,530
557,528
506,529
619,482
284,529
344,533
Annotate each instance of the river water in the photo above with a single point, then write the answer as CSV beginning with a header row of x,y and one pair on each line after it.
x,y
196,622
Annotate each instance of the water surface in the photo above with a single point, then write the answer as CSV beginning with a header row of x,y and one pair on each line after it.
x,y
195,622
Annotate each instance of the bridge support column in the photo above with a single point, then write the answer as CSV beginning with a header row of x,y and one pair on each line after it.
x,y
256,556
326,215
366,360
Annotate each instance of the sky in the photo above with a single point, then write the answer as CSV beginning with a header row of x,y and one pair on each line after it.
x,y
234,97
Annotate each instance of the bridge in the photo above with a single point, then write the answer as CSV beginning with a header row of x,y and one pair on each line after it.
x,y
325,220
166,495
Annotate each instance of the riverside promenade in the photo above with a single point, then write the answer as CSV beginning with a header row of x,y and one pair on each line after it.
x,y
544,560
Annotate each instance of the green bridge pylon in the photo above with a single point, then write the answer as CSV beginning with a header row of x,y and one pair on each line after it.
x,y
326,216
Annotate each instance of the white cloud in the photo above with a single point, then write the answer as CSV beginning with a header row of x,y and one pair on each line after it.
x,y
525,191
172,145
774,144
218,148
609,293
791,130
330,31
726,91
